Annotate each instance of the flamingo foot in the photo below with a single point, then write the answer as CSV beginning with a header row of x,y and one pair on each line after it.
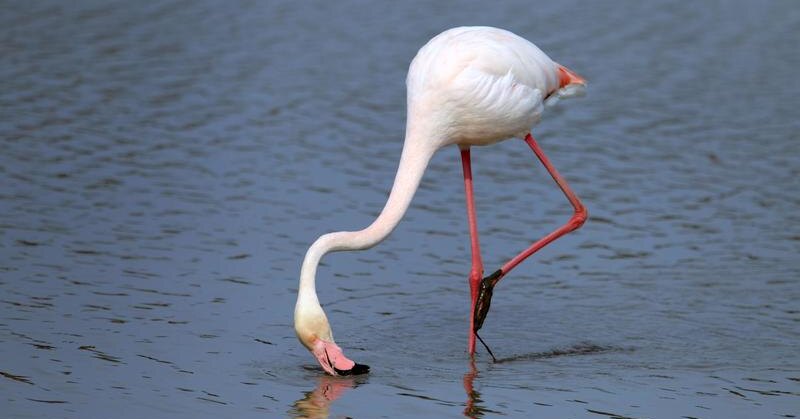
x,y
487,347
484,299
332,359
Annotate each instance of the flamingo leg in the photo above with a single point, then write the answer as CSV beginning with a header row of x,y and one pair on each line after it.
x,y
578,218
476,272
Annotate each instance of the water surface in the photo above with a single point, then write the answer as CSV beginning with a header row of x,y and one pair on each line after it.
x,y
166,165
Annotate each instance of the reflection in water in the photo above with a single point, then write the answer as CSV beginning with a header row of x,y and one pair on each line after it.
x,y
473,409
586,348
474,405
316,403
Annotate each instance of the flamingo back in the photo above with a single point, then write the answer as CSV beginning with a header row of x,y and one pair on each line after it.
x,y
479,85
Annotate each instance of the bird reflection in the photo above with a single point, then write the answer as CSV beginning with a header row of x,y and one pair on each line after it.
x,y
316,403
474,407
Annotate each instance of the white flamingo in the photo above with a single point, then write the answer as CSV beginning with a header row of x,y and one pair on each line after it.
x,y
468,86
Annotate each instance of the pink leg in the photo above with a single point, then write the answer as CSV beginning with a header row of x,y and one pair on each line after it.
x,y
577,219
476,272
486,285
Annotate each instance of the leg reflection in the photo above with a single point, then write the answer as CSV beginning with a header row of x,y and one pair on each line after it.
x,y
474,408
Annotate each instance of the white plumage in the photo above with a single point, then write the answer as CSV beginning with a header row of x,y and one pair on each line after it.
x,y
466,86
479,85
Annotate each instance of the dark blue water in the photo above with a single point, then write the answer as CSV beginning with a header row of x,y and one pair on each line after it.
x,y
166,164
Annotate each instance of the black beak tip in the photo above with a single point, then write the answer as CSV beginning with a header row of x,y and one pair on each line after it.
x,y
360,369
357,369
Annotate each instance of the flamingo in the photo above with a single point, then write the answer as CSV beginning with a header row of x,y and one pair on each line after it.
x,y
468,86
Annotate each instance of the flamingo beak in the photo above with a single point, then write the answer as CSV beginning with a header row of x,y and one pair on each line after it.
x,y
357,369
332,359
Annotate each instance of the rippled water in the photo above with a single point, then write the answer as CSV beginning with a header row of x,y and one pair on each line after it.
x,y
166,165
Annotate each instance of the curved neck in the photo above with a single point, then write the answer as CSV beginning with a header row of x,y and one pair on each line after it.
x,y
413,161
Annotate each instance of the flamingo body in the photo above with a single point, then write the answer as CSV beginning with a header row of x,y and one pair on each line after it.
x,y
479,85
468,86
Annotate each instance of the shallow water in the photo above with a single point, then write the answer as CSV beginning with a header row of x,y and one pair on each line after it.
x,y
167,164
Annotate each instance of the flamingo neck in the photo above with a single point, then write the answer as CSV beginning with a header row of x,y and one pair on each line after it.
x,y
414,160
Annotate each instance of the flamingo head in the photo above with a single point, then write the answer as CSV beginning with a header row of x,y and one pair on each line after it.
x,y
314,332
331,357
